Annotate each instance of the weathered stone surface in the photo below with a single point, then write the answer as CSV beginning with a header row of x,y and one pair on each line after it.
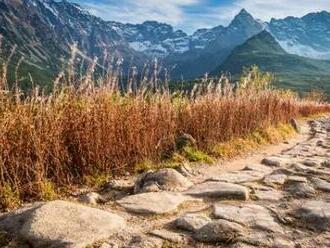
x,y
191,222
268,195
219,190
275,161
239,176
62,224
321,184
164,179
144,241
311,163
309,170
326,163
168,235
154,202
296,179
257,239
315,214
258,167
299,189
219,231
92,198
275,179
251,215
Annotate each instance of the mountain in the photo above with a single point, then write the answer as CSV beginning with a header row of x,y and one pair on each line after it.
x,y
44,31
198,61
291,71
47,32
308,36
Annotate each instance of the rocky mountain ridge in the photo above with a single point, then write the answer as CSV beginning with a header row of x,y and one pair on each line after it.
x,y
44,30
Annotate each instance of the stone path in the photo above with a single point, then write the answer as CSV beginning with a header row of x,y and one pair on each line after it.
x,y
282,201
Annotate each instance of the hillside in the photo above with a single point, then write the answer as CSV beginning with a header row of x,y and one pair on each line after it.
x,y
291,71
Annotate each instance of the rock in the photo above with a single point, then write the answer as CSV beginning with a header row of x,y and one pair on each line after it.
x,y
274,161
299,189
164,179
296,179
218,231
321,184
167,235
277,179
295,125
154,202
251,215
326,163
239,176
315,214
257,239
268,195
191,222
92,198
219,190
311,163
282,243
143,241
62,224
309,170
258,167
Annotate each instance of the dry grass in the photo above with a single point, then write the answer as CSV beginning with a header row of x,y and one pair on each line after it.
x,y
60,140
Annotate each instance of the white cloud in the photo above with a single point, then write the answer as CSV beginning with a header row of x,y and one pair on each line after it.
x,y
266,9
137,11
190,15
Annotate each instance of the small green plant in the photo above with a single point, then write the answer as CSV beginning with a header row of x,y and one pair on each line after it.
x,y
194,155
96,180
47,191
144,166
9,198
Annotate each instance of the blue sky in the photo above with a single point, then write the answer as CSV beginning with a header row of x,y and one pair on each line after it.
x,y
190,15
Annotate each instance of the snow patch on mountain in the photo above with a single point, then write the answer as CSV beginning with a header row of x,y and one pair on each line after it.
x,y
295,47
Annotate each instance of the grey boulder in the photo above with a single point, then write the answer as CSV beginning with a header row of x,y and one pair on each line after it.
x,y
62,224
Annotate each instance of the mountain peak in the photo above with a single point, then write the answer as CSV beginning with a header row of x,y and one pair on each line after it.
x,y
242,17
244,21
243,12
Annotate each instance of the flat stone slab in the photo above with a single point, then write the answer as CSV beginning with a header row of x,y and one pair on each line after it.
x,y
296,179
321,184
299,189
310,170
62,224
315,214
243,176
275,179
219,190
191,222
154,202
268,195
219,231
258,167
250,215
274,161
